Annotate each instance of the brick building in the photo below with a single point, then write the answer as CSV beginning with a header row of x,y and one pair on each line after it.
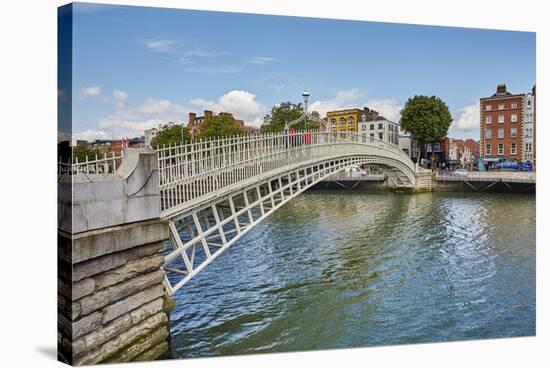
x,y
196,123
501,126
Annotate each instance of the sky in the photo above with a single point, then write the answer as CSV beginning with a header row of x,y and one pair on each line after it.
x,y
137,67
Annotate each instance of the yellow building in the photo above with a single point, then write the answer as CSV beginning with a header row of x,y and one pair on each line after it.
x,y
344,120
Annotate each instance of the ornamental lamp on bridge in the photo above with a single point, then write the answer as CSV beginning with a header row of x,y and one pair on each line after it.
x,y
305,95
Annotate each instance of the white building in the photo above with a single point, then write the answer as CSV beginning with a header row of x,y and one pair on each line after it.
x,y
408,145
377,126
528,127
149,135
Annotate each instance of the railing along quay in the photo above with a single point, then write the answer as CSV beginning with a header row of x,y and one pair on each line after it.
x,y
105,165
491,176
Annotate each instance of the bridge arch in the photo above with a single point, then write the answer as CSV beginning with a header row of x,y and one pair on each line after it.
x,y
221,205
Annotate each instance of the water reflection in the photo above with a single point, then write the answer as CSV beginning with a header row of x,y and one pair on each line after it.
x,y
345,269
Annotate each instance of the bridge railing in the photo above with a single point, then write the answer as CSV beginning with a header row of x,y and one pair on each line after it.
x,y
190,171
108,164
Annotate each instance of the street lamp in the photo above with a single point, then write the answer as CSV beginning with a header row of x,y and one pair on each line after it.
x,y
305,95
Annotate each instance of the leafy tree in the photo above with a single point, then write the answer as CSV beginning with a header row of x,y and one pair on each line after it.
x,y
170,133
427,119
280,115
81,152
220,126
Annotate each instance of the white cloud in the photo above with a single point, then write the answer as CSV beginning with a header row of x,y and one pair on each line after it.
x,y
263,60
162,45
213,70
388,108
466,119
344,99
242,104
131,120
90,92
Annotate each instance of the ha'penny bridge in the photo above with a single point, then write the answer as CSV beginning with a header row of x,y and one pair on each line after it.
x,y
135,229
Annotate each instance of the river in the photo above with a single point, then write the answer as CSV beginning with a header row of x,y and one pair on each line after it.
x,y
336,269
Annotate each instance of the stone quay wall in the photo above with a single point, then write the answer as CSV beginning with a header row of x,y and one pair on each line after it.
x,y
112,303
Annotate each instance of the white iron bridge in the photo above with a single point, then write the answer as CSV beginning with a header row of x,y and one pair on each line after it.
x,y
215,191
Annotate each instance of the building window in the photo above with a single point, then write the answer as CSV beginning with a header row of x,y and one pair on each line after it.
x,y
500,149
351,120
513,132
501,106
488,149
528,118
528,147
528,133
380,126
488,107
488,133
514,118
372,127
500,133
333,121
513,149
342,121
514,105
501,119
488,119
391,128
380,135
528,102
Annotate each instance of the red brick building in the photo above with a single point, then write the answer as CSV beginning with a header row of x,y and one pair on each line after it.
x,y
501,126
196,123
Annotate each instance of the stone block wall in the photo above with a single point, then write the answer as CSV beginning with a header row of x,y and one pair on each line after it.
x,y
112,306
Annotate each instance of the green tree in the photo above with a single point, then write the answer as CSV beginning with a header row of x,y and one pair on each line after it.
x,y
221,125
170,133
81,152
427,119
280,115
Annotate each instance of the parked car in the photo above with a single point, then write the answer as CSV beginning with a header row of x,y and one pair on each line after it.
x,y
460,172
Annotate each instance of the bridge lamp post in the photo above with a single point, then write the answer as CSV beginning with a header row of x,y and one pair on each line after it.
x,y
305,95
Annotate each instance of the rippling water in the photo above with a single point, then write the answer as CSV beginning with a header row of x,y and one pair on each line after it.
x,y
334,269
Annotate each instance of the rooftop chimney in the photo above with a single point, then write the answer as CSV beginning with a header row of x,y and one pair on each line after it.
x,y
374,114
501,89
192,117
207,114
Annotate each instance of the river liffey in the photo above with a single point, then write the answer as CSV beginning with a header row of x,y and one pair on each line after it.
x,y
336,269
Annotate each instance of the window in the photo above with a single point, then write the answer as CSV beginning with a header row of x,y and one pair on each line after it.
x,y
380,126
488,149
513,132
363,127
333,121
342,121
500,133
501,106
500,148
351,120
501,119
514,105
488,133
372,127
529,133
488,107
514,118
513,149
488,119
380,135
364,135
528,147
391,128
528,118
390,137
528,102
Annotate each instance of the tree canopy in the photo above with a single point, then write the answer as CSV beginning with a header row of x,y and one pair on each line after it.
x,y
427,119
170,133
283,113
221,125
83,152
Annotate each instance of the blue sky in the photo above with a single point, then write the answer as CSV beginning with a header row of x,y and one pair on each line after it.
x,y
136,67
